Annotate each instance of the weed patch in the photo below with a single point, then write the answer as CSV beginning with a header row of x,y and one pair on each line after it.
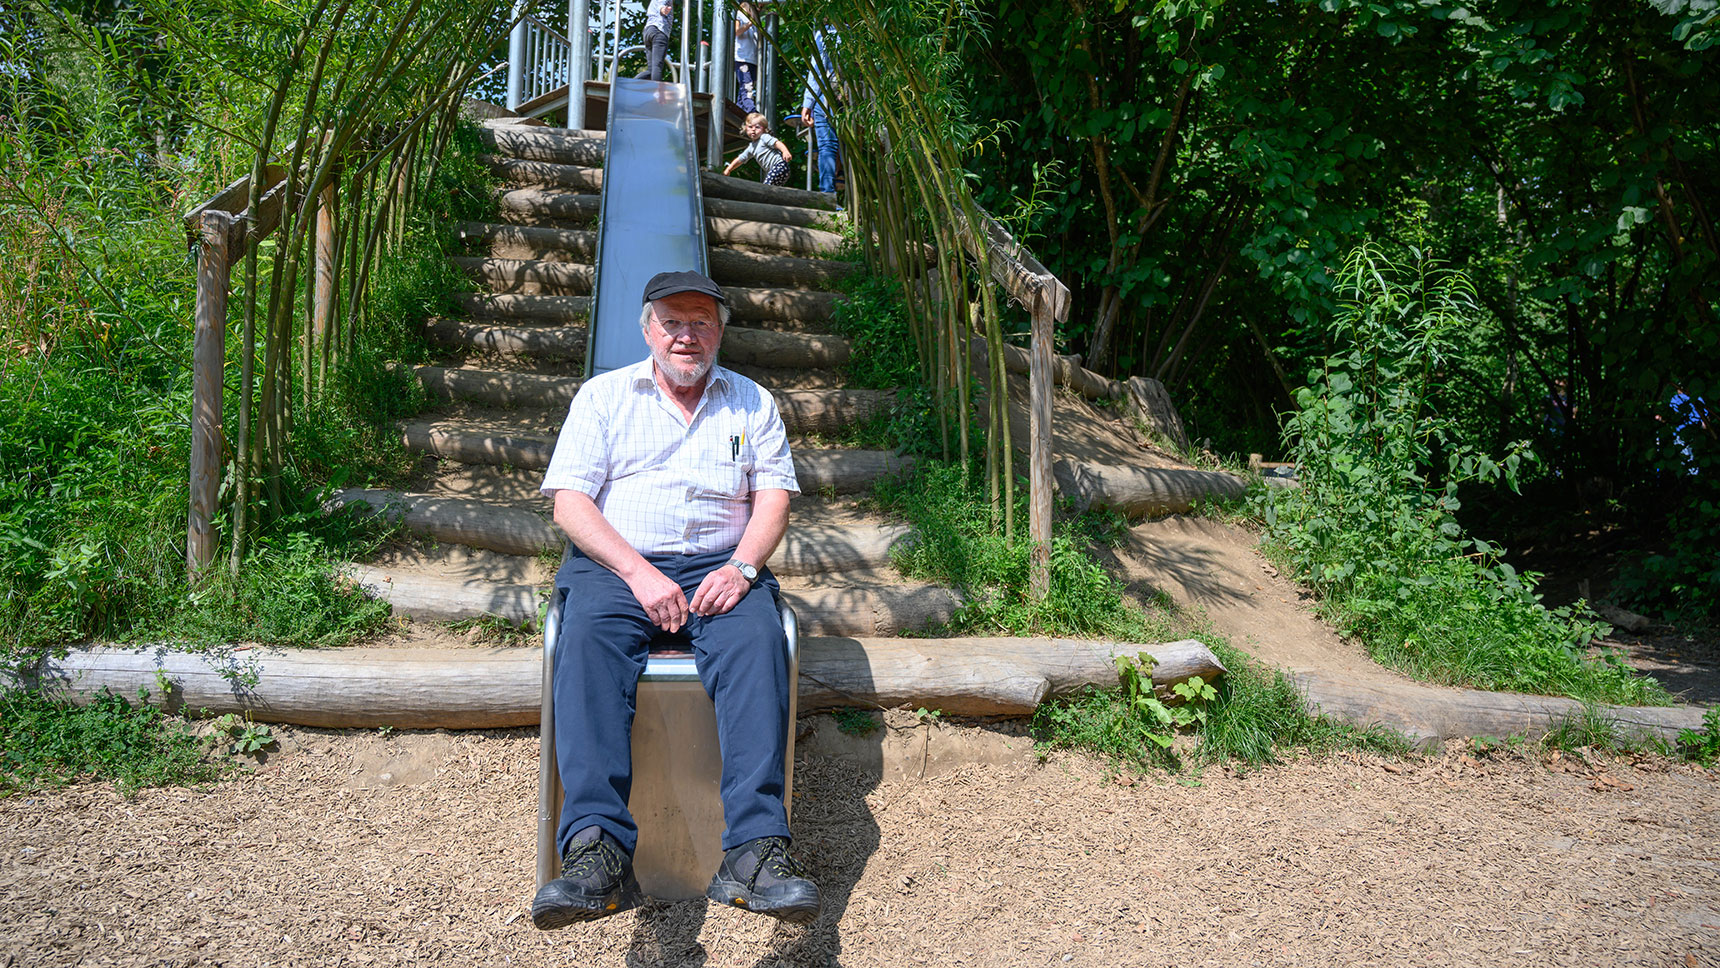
x,y
48,743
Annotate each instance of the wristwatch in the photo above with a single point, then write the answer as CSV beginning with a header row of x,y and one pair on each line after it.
x,y
747,571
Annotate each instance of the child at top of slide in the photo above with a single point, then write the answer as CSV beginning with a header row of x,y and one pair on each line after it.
x,y
659,21
775,169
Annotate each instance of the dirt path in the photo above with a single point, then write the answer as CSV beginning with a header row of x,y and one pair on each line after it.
x,y
415,848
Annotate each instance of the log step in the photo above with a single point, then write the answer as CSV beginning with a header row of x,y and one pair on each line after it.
x,y
803,411
781,308
526,173
529,242
558,145
1143,491
728,267
527,275
536,306
834,542
492,688
498,388
848,609
772,237
732,223
741,344
831,471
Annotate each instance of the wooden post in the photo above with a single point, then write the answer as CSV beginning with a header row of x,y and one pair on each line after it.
x,y
209,354
1039,458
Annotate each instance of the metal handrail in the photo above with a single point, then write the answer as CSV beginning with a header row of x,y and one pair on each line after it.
x,y
548,59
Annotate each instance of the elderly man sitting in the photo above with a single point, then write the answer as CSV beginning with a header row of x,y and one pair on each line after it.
x,y
672,478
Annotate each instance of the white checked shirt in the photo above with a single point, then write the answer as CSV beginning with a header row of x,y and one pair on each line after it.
x,y
668,486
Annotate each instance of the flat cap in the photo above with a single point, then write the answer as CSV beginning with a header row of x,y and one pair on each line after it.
x,y
669,283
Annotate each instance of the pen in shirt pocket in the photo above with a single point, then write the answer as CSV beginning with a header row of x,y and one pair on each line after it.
x,y
735,441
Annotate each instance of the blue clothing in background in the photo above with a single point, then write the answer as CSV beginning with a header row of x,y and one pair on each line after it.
x,y
821,103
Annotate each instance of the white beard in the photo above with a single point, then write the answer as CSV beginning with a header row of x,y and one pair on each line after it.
x,y
667,365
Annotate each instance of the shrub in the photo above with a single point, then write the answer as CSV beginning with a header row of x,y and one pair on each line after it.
x,y
1372,526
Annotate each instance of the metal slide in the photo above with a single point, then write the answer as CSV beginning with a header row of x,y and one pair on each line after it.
x,y
652,217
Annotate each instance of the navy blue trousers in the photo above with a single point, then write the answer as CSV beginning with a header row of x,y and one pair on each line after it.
x,y
599,656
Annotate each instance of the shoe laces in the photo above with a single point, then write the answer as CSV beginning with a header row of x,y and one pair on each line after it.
x,y
774,858
585,858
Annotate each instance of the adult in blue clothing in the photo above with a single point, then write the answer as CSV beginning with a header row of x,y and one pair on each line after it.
x,y
817,103
672,477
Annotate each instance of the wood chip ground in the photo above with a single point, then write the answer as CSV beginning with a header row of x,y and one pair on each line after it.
x,y
363,849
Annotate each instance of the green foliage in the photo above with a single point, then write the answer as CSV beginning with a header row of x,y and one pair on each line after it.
x,y
1224,157
1372,526
1590,729
956,542
1259,712
288,594
242,736
871,316
1702,746
1130,725
99,153
1680,578
44,742
855,722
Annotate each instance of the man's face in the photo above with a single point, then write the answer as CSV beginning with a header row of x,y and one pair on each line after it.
x,y
684,336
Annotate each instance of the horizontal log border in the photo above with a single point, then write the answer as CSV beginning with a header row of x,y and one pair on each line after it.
x,y
500,687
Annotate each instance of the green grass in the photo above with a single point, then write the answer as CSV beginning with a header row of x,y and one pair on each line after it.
x,y
957,543
1255,717
44,743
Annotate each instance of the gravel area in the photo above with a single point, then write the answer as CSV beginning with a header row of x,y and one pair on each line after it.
x,y
360,848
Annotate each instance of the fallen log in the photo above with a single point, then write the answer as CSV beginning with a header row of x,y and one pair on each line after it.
x,y
489,688
1142,491
1429,715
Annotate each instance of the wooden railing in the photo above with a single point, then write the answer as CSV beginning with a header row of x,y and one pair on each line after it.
x,y
377,178
1046,300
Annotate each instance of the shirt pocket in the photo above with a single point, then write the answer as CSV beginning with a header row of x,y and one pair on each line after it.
x,y
727,474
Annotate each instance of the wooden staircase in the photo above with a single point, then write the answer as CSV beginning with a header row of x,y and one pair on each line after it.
x,y
483,541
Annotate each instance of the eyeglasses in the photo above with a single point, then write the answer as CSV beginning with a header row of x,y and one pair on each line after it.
x,y
699,328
